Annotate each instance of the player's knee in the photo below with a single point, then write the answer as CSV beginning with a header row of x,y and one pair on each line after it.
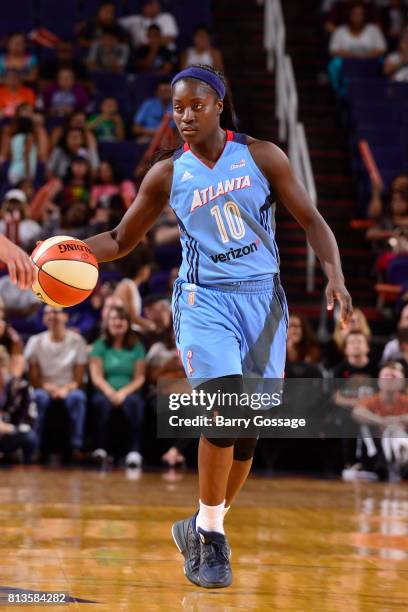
x,y
244,448
221,442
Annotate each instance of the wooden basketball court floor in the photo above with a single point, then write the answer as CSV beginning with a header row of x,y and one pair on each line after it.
x,y
298,544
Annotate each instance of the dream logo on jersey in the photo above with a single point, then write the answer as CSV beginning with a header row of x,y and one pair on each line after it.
x,y
202,197
232,254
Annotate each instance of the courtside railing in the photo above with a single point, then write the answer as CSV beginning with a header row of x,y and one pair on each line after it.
x,y
290,129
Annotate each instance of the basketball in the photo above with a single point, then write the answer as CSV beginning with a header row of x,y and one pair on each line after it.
x,y
66,271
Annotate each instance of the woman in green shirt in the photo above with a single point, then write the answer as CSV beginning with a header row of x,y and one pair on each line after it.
x,y
117,369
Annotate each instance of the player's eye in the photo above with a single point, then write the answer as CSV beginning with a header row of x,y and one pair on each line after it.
x,y
198,106
177,109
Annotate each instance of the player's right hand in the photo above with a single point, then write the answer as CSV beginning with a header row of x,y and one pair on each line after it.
x,y
20,267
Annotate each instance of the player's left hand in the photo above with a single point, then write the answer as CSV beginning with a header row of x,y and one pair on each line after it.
x,y
336,290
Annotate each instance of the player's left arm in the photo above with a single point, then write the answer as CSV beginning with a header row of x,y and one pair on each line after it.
x,y
289,190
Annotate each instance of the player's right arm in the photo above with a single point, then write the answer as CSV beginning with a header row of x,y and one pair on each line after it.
x,y
150,201
20,266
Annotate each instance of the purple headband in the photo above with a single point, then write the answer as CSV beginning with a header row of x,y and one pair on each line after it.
x,y
193,72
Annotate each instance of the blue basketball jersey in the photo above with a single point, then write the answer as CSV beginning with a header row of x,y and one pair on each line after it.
x,y
226,216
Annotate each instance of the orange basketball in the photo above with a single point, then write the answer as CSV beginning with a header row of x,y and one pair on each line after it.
x,y
66,271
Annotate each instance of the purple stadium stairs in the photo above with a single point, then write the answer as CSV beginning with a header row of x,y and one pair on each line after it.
x,y
239,34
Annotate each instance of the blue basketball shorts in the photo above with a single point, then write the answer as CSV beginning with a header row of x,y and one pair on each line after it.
x,y
231,329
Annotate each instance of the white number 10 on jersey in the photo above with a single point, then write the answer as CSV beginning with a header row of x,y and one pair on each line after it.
x,y
234,221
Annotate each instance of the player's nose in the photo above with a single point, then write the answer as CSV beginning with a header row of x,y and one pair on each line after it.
x,y
188,115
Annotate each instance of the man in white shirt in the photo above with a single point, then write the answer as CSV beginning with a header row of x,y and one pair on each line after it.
x,y
358,39
137,25
57,360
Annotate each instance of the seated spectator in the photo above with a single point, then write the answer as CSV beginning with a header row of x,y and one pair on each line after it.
x,y
356,360
57,359
150,114
396,64
337,12
358,38
157,309
19,303
11,342
117,369
108,124
105,18
74,142
138,25
392,350
106,185
386,413
399,185
138,268
394,19
15,222
76,185
108,54
302,344
104,307
390,234
334,350
17,58
13,93
202,52
65,95
154,57
24,143
18,412
64,58
166,229
76,120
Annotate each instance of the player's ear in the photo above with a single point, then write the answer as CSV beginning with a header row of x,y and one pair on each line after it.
x,y
219,106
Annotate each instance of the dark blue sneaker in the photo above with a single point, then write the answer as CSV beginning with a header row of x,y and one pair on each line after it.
x,y
215,569
187,541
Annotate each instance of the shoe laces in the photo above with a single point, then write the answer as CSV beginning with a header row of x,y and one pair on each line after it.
x,y
215,553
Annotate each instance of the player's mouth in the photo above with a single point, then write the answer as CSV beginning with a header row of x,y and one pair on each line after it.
x,y
188,130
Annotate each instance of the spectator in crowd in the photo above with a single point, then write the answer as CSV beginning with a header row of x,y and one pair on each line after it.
x,y
107,214
65,95
105,305
337,12
108,124
64,58
24,143
138,25
105,18
334,350
166,229
18,412
74,142
117,369
399,186
15,222
76,186
356,360
392,350
390,234
150,114
386,413
107,185
402,337
358,38
154,57
138,268
108,54
13,93
396,63
202,52
75,120
302,344
17,58
11,342
57,359
394,19
157,308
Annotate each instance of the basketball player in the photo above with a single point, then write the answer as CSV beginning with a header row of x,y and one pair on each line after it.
x,y
20,267
229,309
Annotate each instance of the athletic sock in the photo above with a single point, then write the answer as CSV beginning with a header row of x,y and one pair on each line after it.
x,y
224,512
211,518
